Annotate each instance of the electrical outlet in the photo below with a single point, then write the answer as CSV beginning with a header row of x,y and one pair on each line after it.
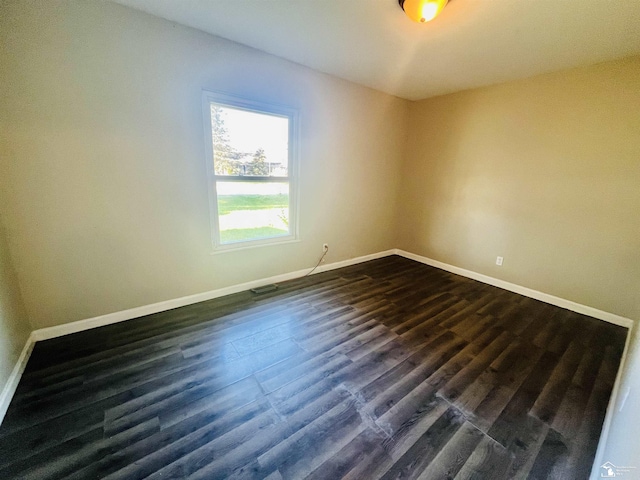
x,y
325,247
499,261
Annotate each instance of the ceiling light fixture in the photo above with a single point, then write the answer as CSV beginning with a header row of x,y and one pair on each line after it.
x,y
422,11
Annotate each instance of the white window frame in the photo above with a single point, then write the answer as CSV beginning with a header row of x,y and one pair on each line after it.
x,y
239,103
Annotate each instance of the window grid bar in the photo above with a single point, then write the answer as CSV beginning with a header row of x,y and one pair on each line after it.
x,y
247,178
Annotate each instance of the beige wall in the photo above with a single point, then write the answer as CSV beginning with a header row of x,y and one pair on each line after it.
x,y
14,326
544,172
103,164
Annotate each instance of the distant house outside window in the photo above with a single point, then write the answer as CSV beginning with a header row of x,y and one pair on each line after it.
x,y
251,170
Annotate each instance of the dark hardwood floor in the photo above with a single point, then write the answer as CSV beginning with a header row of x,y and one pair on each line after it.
x,y
387,369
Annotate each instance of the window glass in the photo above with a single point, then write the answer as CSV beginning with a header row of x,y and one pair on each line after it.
x,y
250,162
252,210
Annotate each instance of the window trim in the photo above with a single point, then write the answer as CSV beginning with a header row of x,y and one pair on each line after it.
x,y
250,105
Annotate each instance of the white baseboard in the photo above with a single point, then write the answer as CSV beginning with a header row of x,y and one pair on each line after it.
x,y
527,292
121,316
12,383
108,319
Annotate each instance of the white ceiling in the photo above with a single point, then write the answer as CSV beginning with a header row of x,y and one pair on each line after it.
x,y
371,42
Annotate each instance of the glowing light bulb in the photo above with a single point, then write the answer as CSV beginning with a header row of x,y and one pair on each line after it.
x,y
429,11
422,11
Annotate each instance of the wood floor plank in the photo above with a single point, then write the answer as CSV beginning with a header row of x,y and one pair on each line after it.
x,y
384,369
192,452
388,389
454,387
72,455
511,427
326,437
454,454
488,460
357,451
144,457
426,448
549,400
553,449
585,440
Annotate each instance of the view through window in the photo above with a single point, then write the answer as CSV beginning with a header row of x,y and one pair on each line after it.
x,y
251,175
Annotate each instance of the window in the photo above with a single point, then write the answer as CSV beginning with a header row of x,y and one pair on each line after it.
x,y
251,171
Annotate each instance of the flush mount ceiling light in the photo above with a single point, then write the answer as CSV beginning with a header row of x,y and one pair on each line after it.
x,y
422,11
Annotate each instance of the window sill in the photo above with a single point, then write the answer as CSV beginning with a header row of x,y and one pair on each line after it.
x,y
269,242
